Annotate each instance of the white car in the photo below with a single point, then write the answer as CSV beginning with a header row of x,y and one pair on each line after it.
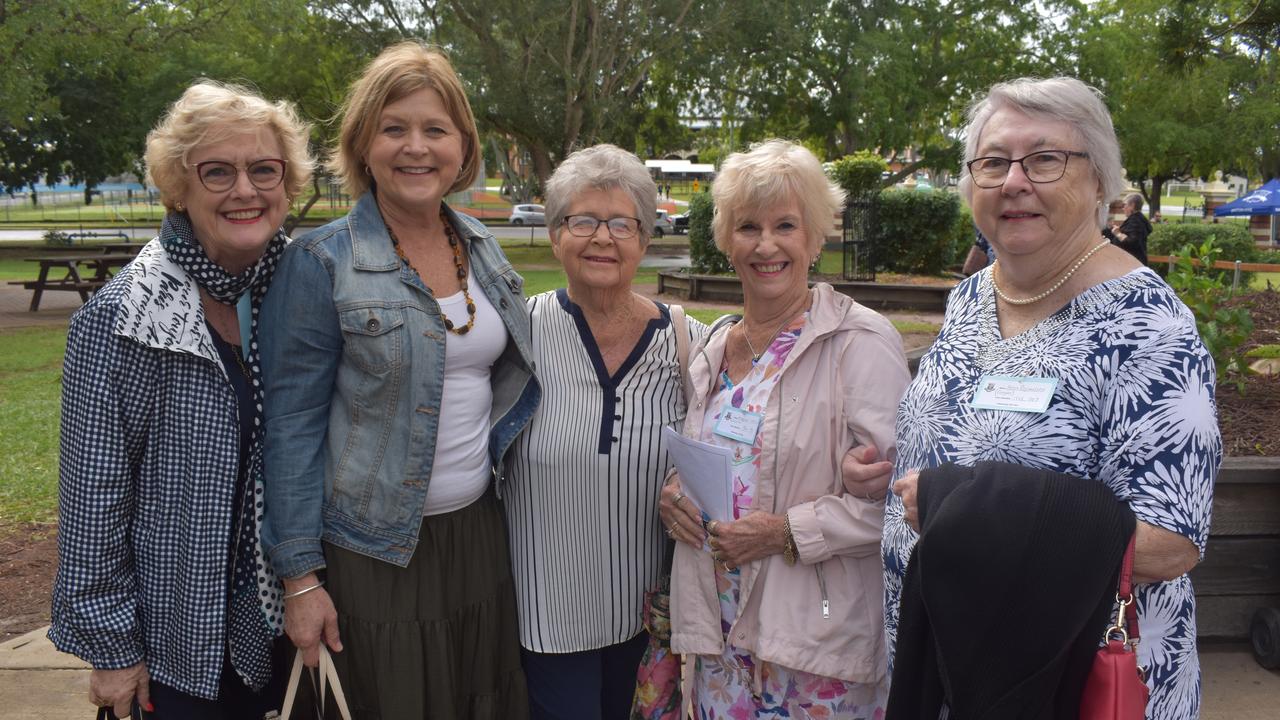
x,y
663,225
528,215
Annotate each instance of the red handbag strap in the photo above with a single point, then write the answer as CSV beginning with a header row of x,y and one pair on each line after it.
x,y
1125,592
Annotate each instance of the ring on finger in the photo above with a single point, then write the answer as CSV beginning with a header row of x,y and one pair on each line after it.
x,y
679,496
671,532
713,527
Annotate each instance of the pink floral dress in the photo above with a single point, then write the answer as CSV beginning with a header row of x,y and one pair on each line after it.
x,y
725,686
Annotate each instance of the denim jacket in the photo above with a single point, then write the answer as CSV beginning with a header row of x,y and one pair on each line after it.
x,y
353,352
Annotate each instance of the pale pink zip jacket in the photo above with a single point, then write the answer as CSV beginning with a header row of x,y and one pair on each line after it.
x,y
839,388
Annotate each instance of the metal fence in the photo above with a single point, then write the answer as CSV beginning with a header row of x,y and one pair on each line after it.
x,y
858,224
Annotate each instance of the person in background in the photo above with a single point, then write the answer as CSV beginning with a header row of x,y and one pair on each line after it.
x,y
160,584
980,255
398,373
1131,235
777,605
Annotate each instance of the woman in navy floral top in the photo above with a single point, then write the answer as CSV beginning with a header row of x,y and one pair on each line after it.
x,y
1127,387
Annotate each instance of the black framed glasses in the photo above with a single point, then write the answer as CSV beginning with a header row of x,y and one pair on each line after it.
x,y
1042,166
620,228
219,176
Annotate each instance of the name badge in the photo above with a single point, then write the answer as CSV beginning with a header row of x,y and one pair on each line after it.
x,y
738,424
1019,394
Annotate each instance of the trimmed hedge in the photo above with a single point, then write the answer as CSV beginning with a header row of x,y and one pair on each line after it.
x,y
1232,238
705,258
918,231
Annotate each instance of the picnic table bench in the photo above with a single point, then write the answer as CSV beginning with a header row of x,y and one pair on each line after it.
x,y
98,270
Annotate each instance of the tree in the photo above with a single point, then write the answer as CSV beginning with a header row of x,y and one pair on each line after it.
x,y
80,90
879,76
1173,124
553,75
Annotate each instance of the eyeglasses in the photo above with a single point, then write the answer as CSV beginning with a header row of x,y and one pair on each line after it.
x,y
620,228
1042,166
219,176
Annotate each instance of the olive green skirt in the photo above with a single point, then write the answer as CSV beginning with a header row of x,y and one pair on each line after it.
x,y
438,639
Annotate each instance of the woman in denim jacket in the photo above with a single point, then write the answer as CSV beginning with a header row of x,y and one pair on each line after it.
x,y
398,374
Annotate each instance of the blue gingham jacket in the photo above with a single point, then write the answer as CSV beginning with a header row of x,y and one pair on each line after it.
x,y
147,473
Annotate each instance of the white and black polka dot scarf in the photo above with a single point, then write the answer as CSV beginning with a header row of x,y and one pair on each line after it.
x,y
255,610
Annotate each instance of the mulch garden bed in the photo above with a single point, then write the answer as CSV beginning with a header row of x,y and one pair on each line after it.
x,y
1250,421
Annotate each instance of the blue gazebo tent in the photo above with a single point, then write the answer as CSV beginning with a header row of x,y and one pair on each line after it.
x,y
1263,201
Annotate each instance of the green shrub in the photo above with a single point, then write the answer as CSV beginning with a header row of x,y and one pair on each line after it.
x,y
704,256
859,173
963,235
1232,240
1223,330
917,231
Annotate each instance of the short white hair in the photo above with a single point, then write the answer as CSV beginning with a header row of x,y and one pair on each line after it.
x,y
771,172
602,167
1059,99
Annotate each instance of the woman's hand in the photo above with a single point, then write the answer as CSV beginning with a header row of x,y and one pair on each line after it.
x,y
310,618
119,688
865,475
682,518
906,488
737,542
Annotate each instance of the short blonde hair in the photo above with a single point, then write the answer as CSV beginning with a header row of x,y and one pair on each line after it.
x,y
772,172
399,71
210,112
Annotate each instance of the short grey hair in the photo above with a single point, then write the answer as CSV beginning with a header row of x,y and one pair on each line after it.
x,y
1135,200
1059,99
602,167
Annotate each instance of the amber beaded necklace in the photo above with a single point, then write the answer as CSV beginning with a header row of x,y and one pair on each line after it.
x,y
456,246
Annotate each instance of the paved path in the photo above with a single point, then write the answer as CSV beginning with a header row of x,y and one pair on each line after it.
x,y
40,683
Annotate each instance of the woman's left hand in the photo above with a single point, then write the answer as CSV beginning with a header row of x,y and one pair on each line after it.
x,y
737,542
905,488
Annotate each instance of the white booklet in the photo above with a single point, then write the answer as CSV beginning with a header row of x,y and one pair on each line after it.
x,y
706,473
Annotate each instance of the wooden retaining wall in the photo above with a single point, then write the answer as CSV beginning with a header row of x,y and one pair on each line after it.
x,y
1241,568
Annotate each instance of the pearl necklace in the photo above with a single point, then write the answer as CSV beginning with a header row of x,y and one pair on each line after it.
x,y
1050,291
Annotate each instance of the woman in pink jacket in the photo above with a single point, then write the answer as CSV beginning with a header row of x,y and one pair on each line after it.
x,y
778,607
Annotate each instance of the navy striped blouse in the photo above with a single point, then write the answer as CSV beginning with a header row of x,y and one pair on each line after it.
x,y
583,480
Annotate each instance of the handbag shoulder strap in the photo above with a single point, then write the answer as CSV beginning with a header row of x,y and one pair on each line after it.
x,y
680,324
1125,590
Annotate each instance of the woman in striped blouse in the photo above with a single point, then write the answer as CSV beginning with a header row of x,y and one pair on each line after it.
x,y
582,491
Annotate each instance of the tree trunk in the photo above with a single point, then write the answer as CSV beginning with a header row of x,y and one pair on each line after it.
x,y
1153,200
291,222
541,165
88,193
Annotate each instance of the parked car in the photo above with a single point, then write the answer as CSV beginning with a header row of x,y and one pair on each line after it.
x,y
528,215
680,223
663,225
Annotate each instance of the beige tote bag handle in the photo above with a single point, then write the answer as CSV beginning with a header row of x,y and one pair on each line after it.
x,y
328,682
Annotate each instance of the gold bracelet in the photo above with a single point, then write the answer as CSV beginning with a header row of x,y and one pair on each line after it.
x,y
789,551
304,591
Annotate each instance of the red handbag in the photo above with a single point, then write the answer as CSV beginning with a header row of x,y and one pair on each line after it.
x,y
1116,688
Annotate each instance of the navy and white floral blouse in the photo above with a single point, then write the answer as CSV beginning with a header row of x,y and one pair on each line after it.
x,y
1134,408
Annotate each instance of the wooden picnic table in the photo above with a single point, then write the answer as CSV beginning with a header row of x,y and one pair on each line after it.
x,y
98,268
133,248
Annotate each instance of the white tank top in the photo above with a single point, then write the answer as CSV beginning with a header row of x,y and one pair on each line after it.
x,y
461,470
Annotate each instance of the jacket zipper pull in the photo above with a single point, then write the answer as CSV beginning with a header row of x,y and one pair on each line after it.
x,y
826,610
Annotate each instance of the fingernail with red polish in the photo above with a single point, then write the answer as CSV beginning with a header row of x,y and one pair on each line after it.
x,y
151,707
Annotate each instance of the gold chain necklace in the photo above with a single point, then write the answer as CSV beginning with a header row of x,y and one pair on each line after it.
x,y
1050,291
456,246
746,335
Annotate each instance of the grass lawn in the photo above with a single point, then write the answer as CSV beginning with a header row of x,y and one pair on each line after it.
x,y
18,269
30,383
1259,281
